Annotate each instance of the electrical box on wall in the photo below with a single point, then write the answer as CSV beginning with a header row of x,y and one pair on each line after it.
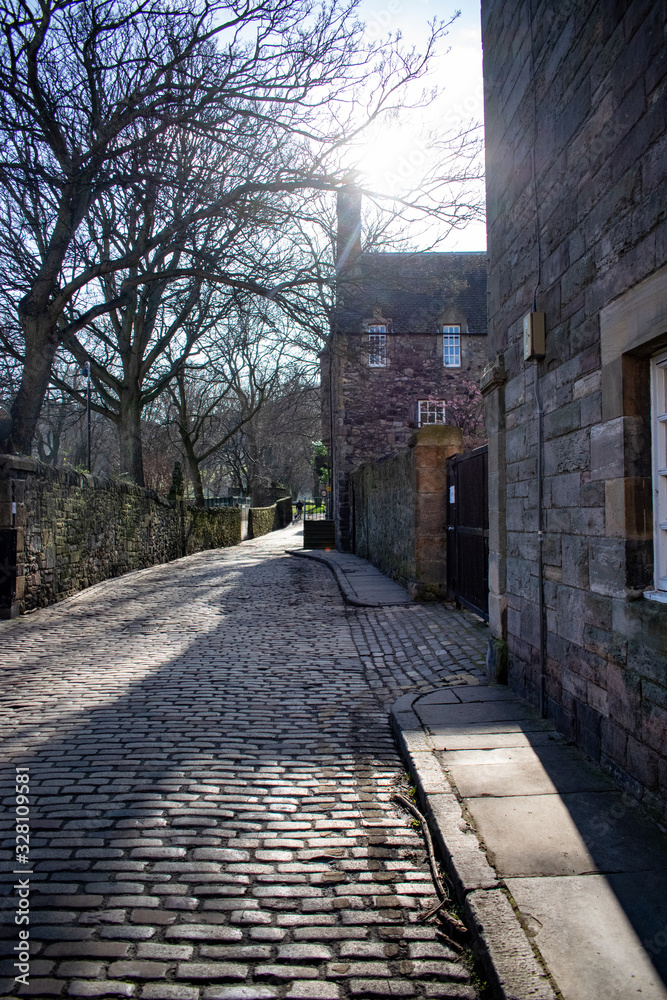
x,y
533,336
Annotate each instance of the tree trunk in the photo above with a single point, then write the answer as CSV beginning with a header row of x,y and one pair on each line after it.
x,y
40,349
129,434
193,468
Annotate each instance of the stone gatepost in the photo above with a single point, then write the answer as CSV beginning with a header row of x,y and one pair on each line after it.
x,y
432,445
12,519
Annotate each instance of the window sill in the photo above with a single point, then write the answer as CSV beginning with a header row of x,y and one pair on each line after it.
x,y
660,596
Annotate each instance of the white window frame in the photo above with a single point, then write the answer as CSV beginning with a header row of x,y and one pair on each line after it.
x,y
659,464
451,346
377,346
431,411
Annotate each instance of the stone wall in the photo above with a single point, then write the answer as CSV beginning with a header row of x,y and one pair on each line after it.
x,y
575,111
399,507
383,505
262,520
61,531
284,513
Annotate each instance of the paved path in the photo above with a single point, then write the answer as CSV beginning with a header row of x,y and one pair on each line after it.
x,y
211,767
360,582
584,867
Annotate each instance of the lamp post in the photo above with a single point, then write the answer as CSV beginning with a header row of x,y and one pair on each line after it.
x,y
86,372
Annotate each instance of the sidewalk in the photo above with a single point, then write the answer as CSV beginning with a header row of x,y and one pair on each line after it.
x,y
360,582
564,877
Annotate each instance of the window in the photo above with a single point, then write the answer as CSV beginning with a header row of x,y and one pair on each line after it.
x,y
659,449
431,411
451,346
377,346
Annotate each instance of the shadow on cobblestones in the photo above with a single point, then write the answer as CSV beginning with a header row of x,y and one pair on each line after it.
x,y
211,768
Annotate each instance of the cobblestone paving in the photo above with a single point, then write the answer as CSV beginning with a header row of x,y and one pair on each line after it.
x,y
211,769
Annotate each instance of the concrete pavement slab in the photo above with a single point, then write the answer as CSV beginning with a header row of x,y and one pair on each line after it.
x,y
524,771
582,863
480,741
530,835
484,712
586,938
568,833
486,729
468,693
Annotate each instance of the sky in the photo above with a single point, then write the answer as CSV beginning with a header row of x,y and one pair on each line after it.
x,y
460,70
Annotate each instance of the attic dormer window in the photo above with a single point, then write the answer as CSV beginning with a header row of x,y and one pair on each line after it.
x,y
451,346
377,346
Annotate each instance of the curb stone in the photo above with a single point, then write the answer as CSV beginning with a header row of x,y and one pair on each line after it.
x,y
349,595
499,940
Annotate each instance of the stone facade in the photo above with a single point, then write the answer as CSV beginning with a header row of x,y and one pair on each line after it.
x,y
371,411
61,531
399,507
576,112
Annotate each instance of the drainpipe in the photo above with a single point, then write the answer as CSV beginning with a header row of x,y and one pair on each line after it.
x,y
540,544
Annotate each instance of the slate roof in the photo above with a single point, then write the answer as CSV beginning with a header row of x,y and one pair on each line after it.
x,y
413,290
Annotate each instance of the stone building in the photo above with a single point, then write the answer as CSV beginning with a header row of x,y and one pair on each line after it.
x,y
576,113
408,336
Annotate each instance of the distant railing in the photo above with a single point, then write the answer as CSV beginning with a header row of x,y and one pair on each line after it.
x,y
238,501
316,509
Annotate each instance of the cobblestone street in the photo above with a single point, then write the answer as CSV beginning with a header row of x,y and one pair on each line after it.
x,y
211,767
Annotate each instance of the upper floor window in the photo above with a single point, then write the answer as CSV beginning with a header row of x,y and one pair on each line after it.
x,y
431,411
659,449
451,346
377,346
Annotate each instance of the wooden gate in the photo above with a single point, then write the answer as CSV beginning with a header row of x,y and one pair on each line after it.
x,y
468,531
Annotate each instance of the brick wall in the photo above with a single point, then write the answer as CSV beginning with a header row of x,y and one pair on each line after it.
x,y
69,531
575,112
399,509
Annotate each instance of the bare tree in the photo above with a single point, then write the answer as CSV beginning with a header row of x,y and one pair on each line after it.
x,y
90,98
276,447
134,351
161,307
231,377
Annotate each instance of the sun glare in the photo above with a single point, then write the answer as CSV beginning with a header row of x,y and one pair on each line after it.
x,y
393,161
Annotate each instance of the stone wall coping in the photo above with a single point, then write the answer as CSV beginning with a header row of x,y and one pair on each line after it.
x,y
23,463
271,505
10,464
437,434
432,435
20,463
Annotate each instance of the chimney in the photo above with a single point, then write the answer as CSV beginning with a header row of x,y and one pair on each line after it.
x,y
348,212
